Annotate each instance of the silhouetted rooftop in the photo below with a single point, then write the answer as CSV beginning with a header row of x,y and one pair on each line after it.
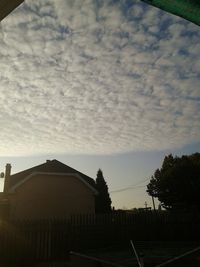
x,y
7,6
52,166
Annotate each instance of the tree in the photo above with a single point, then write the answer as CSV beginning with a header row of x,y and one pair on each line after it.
x,y
103,201
187,9
177,183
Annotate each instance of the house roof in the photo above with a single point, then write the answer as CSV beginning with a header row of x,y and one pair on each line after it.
x,y
50,166
7,6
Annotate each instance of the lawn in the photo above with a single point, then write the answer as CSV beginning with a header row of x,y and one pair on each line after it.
x,y
154,253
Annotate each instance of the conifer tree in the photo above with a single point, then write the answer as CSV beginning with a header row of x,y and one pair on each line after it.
x,y
103,201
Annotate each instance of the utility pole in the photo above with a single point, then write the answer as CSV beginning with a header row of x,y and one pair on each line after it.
x,y
154,208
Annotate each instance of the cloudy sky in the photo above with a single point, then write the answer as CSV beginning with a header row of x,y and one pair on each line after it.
x,y
97,79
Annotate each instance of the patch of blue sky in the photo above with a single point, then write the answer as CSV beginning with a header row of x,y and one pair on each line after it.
x,y
133,75
98,33
27,7
86,56
122,34
183,52
113,2
64,32
126,7
164,27
195,99
64,29
191,32
169,89
128,3
178,113
98,3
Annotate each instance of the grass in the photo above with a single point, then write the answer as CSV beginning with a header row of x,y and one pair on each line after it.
x,y
154,253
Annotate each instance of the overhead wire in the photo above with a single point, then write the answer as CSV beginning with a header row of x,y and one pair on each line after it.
x,y
137,185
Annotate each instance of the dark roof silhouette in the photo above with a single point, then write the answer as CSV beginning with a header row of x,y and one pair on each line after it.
x,y
51,166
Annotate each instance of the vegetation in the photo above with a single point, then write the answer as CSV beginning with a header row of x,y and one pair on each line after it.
x,y
103,201
177,183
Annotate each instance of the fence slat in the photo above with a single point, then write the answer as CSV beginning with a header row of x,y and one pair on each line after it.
x,y
52,239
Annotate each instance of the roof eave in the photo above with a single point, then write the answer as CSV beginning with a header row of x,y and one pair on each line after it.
x,y
13,188
7,6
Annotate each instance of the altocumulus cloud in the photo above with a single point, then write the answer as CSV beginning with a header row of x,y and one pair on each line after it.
x,y
96,76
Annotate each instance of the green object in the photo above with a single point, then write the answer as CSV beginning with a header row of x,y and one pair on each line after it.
x,y
177,183
187,9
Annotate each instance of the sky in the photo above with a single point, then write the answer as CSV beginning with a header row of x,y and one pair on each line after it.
x,y
110,84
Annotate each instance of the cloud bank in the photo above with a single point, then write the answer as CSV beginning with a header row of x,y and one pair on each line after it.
x,y
97,77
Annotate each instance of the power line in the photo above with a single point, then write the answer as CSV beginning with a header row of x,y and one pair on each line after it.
x,y
127,188
135,186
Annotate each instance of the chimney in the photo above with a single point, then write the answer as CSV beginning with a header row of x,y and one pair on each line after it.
x,y
7,177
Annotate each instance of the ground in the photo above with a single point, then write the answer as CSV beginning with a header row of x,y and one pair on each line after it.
x,y
154,253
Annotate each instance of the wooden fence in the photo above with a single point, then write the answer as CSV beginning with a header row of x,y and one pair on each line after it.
x,y
30,241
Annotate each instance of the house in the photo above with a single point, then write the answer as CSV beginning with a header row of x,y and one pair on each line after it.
x,y
7,6
49,190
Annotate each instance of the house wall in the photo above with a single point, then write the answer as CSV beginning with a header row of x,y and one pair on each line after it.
x,y
4,206
48,196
